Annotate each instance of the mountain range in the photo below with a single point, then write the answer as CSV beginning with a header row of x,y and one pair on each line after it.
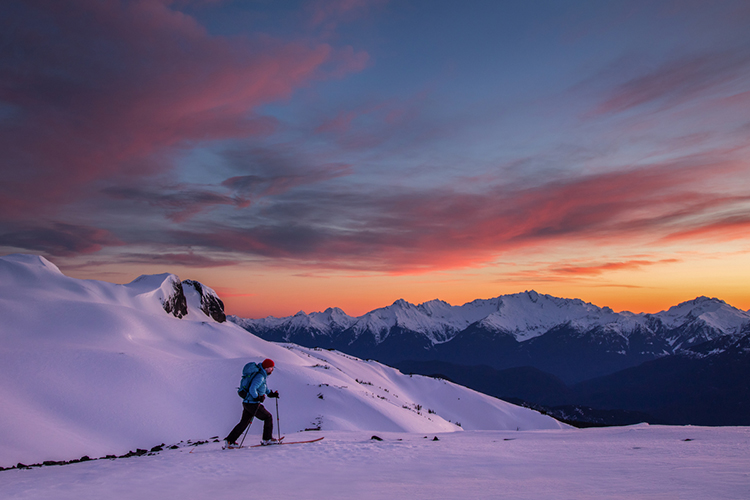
x,y
569,338
687,364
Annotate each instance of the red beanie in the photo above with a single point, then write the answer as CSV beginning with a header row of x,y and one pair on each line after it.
x,y
267,363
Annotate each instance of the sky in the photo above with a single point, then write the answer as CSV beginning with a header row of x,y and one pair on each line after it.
x,y
300,155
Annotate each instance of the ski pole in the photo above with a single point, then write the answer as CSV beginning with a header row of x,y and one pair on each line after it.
x,y
278,424
248,424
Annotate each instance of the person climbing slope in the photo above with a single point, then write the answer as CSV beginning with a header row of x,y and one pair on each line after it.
x,y
253,390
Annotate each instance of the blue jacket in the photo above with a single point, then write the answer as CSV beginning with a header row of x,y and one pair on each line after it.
x,y
257,382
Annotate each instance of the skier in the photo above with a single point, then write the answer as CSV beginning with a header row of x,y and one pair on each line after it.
x,y
254,383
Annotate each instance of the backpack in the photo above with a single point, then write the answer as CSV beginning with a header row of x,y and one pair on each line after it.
x,y
248,374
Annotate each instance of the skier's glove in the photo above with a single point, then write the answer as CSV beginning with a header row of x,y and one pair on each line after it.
x,y
261,398
273,394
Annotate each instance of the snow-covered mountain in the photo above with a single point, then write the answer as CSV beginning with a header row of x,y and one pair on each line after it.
x,y
523,315
511,330
94,368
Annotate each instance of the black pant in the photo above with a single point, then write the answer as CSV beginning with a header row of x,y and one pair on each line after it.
x,y
248,410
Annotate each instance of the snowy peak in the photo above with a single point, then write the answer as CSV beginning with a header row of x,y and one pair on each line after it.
x,y
19,270
164,288
32,263
530,314
522,316
313,325
34,276
432,320
711,312
335,317
435,308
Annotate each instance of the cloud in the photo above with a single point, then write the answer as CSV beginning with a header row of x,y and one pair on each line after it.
x,y
99,98
103,89
289,213
60,239
406,231
326,15
679,81
719,228
179,203
269,172
186,259
273,174
598,269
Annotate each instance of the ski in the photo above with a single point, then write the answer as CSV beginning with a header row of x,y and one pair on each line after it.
x,y
285,442
237,447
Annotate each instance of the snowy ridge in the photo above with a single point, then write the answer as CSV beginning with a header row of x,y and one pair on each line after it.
x,y
713,313
322,323
523,315
433,321
93,368
35,277
530,314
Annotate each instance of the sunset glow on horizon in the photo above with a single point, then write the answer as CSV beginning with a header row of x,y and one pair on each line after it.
x,y
348,153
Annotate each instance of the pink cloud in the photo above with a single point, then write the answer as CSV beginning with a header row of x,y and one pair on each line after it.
x,y
406,232
677,82
340,124
61,239
372,124
726,228
106,88
248,187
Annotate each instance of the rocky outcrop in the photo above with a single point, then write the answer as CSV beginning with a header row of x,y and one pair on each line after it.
x,y
211,304
175,303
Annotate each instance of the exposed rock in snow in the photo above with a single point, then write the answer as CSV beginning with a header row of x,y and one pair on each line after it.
x,y
210,303
166,288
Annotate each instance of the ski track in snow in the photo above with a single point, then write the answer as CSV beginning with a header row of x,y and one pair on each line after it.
x,y
653,462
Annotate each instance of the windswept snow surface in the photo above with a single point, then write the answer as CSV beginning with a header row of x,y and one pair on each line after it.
x,y
93,368
639,462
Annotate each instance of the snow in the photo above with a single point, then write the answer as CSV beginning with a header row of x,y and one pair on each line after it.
x,y
530,314
713,312
94,368
650,462
523,315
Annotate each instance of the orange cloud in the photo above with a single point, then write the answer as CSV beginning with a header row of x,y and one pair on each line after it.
x,y
597,269
406,232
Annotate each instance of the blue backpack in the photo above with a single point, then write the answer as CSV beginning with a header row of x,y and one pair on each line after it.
x,y
248,374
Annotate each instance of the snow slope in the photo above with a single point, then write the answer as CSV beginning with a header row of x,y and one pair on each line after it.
x,y
639,462
93,368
